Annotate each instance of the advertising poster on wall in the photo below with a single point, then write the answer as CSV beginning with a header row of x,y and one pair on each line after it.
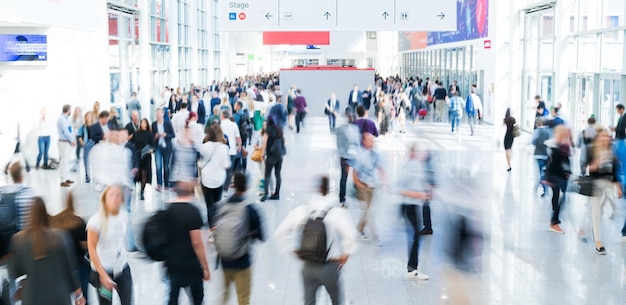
x,y
472,23
23,48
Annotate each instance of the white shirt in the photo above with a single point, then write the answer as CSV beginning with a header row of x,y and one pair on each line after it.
x,y
354,96
260,106
231,131
215,161
111,240
110,164
265,95
166,98
194,107
43,128
341,235
196,132
179,120
269,106
478,105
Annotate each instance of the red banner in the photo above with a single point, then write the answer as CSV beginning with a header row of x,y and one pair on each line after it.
x,y
296,38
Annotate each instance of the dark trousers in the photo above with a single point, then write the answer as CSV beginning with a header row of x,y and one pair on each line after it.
x,y
345,169
411,214
84,271
315,275
78,147
428,225
299,120
195,289
277,166
162,157
211,198
332,121
124,287
234,166
44,146
241,163
558,186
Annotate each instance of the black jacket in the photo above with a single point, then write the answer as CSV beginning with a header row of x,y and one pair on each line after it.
x,y
169,131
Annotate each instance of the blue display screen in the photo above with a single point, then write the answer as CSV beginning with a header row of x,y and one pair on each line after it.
x,y
23,48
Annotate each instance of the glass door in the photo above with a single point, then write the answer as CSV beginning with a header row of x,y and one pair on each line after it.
x,y
584,101
609,98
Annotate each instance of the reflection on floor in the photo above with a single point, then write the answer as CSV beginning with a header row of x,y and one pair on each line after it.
x,y
517,260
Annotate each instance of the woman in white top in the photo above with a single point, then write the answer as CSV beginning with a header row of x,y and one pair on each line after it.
x,y
196,131
213,166
43,140
106,232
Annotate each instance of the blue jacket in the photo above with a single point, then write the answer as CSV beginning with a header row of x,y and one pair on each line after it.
x,y
359,98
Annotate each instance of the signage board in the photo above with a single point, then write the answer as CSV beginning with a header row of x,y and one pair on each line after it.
x,y
337,15
23,48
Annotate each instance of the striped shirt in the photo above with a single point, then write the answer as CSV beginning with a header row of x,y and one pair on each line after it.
x,y
23,201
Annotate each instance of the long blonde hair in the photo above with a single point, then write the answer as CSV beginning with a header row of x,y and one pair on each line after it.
x,y
103,209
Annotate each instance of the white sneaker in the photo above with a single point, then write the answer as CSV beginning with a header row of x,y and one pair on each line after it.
x,y
415,275
362,235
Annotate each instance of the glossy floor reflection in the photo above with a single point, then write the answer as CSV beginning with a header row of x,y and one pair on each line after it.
x,y
516,260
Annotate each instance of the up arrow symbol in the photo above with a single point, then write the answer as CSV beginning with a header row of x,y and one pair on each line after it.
x,y
327,14
385,15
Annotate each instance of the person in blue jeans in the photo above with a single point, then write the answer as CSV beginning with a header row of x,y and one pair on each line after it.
x,y
456,110
540,136
43,141
163,133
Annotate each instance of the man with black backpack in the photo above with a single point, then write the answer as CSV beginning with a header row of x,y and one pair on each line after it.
x,y
328,238
185,258
15,202
237,224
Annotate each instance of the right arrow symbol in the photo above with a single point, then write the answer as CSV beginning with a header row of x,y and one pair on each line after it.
x,y
385,15
441,15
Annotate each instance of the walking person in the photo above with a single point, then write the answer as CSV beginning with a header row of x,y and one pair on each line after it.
x,y
540,136
188,268
620,142
355,99
415,190
470,110
67,140
456,110
106,233
301,109
235,144
235,211
440,94
85,140
77,122
163,133
144,147
45,257
603,169
43,140
339,241
558,172
584,143
368,174
214,163
348,143
330,109
274,150
509,122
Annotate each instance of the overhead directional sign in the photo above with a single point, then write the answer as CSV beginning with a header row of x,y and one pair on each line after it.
x,y
337,15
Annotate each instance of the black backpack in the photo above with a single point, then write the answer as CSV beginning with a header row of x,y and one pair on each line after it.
x,y
314,246
244,124
8,220
156,237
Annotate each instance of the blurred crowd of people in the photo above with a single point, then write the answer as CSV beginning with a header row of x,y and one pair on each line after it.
x,y
201,153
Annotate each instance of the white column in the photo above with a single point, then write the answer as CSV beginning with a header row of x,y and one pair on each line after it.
x,y
172,15
145,73
561,55
193,41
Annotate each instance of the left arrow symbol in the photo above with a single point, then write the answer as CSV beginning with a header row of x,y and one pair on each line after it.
x,y
269,16
327,14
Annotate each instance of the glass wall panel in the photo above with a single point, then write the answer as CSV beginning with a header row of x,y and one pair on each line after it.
x,y
612,50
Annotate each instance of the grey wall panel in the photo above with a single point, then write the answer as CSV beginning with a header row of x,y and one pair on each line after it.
x,y
317,85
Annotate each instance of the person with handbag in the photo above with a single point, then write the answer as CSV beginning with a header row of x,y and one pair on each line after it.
x,y
144,146
214,163
509,121
603,169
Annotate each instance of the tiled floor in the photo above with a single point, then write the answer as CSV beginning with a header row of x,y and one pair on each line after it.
x,y
516,260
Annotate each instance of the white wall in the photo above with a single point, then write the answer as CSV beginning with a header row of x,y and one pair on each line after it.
x,y
76,73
